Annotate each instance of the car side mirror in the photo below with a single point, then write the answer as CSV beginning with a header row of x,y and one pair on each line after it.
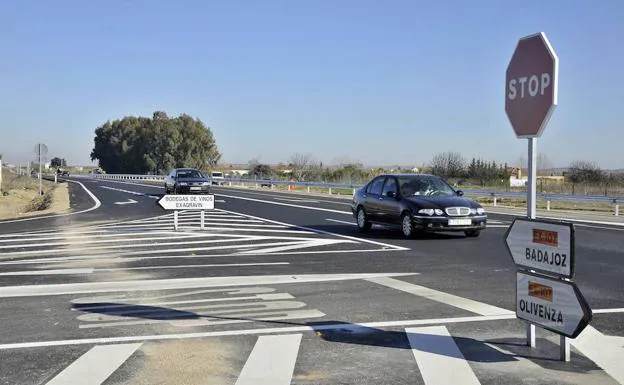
x,y
460,193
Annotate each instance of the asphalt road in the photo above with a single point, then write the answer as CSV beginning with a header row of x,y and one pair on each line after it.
x,y
281,288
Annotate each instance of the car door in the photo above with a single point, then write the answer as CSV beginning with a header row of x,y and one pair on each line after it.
x,y
371,200
388,204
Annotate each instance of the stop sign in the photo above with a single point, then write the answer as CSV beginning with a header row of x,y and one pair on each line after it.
x,y
531,86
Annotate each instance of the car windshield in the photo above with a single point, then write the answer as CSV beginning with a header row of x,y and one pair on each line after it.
x,y
422,185
189,174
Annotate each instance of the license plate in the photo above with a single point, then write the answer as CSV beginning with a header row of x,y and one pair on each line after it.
x,y
195,188
460,222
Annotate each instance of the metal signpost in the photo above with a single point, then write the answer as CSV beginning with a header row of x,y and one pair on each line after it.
x,y
544,254
531,84
40,150
189,203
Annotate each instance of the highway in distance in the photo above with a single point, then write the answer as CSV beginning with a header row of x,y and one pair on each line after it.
x,y
281,288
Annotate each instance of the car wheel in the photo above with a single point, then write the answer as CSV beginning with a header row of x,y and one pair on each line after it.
x,y
407,226
362,220
472,233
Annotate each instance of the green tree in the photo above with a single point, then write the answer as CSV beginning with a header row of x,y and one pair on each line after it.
x,y
58,162
140,145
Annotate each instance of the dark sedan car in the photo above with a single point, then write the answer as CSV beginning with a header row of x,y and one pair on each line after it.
x,y
417,202
187,181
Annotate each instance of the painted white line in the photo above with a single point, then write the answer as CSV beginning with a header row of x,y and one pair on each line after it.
x,y
247,332
96,365
438,296
277,194
296,245
356,239
164,251
597,222
99,234
286,204
439,359
605,351
86,241
497,226
606,311
182,283
49,272
230,238
116,259
96,205
272,361
192,266
296,200
343,222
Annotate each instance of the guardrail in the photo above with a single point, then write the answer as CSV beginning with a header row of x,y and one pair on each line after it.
x,y
332,187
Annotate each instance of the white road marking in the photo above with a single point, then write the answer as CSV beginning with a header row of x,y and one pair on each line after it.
x,y
96,205
581,221
343,222
49,272
272,361
128,202
157,253
262,331
297,200
333,234
295,245
609,310
605,351
182,283
274,194
438,296
439,359
96,365
86,241
192,266
124,191
286,204
99,233
115,259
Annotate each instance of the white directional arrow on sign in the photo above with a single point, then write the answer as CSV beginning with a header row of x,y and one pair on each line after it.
x,y
552,304
128,202
543,246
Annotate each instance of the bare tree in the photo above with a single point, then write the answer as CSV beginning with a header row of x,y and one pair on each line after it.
x,y
582,171
448,164
303,165
543,164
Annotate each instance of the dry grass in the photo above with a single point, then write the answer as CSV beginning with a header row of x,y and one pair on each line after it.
x,y
20,197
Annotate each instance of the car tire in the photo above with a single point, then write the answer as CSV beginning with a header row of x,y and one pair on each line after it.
x,y
362,221
407,225
472,233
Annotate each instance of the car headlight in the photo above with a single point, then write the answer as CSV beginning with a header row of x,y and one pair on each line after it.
x,y
183,184
431,212
205,183
480,211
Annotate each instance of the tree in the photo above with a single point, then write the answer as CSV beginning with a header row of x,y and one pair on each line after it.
x,y
303,165
262,171
142,145
58,162
581,171
543,164
448,164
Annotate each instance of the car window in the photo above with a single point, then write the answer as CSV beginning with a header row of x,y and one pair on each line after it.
x,y
375,186
425,185
390,185
189,174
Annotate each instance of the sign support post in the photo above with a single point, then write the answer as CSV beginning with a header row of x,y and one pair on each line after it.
x,y
532,212
177,202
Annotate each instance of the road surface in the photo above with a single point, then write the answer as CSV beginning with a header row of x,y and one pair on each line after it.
x,y
280,289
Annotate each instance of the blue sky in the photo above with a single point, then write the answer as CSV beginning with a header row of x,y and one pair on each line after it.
x,y
380,82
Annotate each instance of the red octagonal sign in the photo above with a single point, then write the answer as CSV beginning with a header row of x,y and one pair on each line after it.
x,y
531,86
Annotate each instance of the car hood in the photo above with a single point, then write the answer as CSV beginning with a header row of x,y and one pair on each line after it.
x,y
441,202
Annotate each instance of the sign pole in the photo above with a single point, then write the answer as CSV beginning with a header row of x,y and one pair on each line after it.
x,y
0,174
175,220
40,171
202,219
532,212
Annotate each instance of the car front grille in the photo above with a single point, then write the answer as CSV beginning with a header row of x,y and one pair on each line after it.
x,y
457,211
